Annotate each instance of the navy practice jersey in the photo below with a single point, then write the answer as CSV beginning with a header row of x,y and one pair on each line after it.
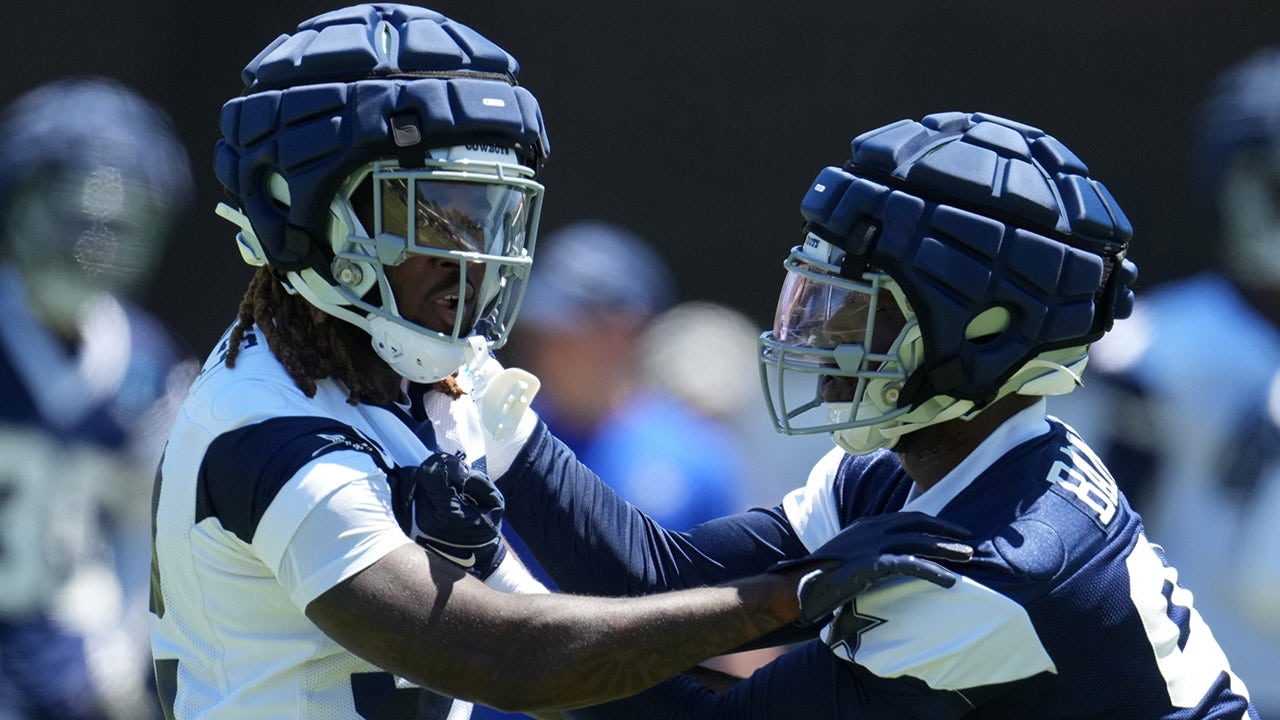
x,y
1175,449
1066,610
81,425
266,499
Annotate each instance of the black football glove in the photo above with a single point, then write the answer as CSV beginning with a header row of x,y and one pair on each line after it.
x,y
452,510
874,548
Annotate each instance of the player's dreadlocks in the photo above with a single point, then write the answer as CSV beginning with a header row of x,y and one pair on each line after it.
x,y
307,341
302,337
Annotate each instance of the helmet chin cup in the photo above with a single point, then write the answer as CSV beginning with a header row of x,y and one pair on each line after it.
x,y
415,356
858,440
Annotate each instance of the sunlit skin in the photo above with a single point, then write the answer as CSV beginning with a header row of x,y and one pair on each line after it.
x,y
849,325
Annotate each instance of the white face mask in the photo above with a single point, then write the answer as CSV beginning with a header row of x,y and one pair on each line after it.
x,y
473,207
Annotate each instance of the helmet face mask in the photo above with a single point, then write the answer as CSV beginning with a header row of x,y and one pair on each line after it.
x,y
475,217
1250,212
839,352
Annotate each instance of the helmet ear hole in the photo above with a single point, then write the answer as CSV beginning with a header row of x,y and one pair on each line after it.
x,y
278,191
348,267
987,325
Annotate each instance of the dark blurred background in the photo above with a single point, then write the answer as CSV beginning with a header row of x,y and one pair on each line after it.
x,y
700,123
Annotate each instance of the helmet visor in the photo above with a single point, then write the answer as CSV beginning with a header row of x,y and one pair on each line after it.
x,y
455,215
818,311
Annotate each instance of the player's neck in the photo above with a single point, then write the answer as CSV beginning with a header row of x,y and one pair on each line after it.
x,y
929,454
385,381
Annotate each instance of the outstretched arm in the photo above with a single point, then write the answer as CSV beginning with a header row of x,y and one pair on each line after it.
x,y
808,682
428,621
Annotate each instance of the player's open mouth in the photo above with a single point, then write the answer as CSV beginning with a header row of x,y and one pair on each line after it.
x,y
448,305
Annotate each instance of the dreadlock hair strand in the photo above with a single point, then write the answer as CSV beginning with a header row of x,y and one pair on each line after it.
x,y
306,341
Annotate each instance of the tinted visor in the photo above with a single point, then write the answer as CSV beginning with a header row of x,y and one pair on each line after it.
x,y
823,312
453,215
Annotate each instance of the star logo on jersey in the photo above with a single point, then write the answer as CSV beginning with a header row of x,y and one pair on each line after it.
x,y
848,627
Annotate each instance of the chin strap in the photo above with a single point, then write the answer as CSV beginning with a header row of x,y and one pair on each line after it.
x,y
246,240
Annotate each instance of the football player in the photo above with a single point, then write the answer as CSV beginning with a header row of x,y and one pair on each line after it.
x,y
382,162
92,178
952,273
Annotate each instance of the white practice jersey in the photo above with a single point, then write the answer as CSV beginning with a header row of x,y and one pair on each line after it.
x,y
266,499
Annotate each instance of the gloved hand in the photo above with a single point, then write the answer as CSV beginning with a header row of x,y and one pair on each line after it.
x,y
452,510
874,548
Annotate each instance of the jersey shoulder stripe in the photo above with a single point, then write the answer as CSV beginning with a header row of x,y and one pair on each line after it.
x,y
245,468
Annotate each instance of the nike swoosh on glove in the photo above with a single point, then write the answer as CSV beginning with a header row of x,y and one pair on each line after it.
x,y
452,510
872,549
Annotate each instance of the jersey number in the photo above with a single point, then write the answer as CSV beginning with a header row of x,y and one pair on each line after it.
x,y
1186,653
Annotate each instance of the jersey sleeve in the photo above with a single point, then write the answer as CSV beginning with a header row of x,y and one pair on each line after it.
x,y
590,540
308,494
807,682
330,521
813,510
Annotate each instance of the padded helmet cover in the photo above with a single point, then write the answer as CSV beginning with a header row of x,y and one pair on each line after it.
x,y
368,82
969,211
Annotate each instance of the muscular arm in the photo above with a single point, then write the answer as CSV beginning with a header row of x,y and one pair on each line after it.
x,y
423,619
808,682
590,540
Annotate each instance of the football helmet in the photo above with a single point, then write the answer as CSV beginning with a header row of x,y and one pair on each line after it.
x,y
375,134
950,262
1238,166
92,177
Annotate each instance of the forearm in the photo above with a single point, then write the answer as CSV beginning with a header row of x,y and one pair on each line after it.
x,y
611,648
427,621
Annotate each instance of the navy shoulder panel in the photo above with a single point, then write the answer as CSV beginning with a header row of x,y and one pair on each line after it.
x,y
244,469
871,484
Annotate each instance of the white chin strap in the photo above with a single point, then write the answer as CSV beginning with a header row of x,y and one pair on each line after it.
x,y
412,354
1053,373
417,357
868,438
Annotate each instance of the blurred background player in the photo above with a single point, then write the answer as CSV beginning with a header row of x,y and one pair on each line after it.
x,y
91,181
595,293
1176,393
703,352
